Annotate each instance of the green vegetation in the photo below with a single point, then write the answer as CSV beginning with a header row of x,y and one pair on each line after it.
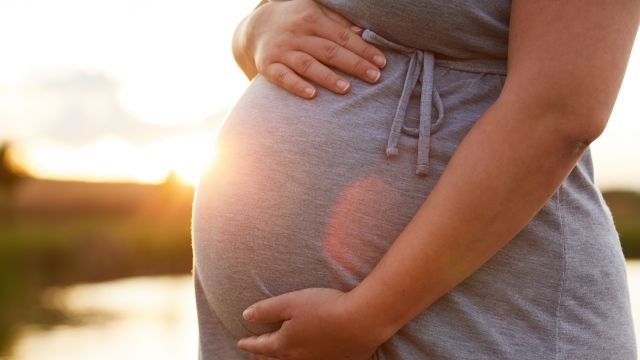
x,y
625,209
65,232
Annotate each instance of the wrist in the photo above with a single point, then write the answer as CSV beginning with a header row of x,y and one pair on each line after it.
x,y
243,41
246,37
365,310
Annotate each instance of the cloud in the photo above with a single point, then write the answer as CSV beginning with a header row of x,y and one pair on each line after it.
x,y
78,107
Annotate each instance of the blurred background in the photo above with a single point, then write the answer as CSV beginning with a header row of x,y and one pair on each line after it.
x,y
107,117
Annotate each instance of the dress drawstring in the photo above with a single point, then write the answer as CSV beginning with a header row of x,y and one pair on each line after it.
x,y
421,62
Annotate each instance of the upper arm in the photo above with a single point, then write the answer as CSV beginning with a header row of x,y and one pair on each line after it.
x,y
570,57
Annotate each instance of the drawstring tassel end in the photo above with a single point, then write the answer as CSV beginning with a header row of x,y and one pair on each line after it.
x,y
422,170
392,151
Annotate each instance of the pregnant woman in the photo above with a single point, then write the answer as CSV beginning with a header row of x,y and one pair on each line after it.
x,y
441,208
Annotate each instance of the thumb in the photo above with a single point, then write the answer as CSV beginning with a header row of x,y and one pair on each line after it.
x,y
270,310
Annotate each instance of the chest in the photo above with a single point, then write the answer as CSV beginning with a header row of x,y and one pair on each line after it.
x,y
458,28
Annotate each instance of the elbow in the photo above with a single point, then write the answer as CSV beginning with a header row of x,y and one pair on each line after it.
x,y
574,119
580,127
577,127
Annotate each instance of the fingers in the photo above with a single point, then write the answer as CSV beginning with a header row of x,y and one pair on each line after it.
x,y
286,78
350,40
270,310
262,345
341,58
308,67
307,49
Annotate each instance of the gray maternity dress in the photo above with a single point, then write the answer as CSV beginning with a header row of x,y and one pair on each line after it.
x,y
312,193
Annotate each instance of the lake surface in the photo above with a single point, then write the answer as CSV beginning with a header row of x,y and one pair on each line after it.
x,y
143,318
135,318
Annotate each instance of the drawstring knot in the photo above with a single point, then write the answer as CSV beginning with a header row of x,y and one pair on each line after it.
x,y
421,63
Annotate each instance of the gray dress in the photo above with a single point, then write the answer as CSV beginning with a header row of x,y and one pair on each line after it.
x,y
312,193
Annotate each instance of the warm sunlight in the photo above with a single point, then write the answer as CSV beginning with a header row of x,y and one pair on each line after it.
x,y
150,191
143,98
133,103
111,159
187,155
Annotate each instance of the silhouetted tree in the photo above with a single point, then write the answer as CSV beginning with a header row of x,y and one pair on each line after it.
x,y
10,176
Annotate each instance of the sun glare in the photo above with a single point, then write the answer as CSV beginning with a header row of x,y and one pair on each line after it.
x,y
111,110
64,104
187,155
112,159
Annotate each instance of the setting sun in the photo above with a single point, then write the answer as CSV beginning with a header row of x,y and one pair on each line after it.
x,y
112,159
114,110
188,155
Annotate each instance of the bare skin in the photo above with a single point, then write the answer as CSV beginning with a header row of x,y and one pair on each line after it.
x,y
293,42
566,64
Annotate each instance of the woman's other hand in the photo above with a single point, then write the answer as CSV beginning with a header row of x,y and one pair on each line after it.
x,y
292,42
319,323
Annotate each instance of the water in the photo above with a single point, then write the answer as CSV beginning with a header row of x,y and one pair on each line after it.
x,y
135,318
144,318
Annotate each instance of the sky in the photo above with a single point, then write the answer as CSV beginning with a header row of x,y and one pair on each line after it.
x,y
128,90
119,90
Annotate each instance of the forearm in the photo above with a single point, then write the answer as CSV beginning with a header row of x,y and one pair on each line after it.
x,y
503,172
565,66
239,46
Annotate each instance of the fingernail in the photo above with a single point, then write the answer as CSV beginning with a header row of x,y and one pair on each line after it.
x,y
241,344
248,313
374,75
309,92
342,85
356,28
380,61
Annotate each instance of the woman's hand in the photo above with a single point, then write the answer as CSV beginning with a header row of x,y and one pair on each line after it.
x,y
318,324
287,41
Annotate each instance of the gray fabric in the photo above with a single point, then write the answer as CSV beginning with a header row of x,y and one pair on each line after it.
x,y
303,194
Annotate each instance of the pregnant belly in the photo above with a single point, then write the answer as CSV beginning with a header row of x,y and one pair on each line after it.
x,y
299,196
